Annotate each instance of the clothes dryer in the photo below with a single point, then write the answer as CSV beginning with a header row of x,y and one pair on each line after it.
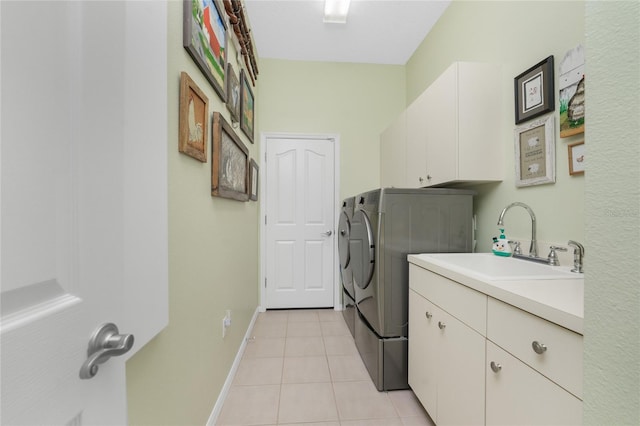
x,y
344,255
387,225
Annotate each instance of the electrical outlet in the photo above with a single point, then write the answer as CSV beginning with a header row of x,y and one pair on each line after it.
x,y
226,322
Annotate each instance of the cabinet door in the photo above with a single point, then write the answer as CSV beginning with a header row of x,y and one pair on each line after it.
x,y
423,351
461,375
441,128
393,154
416,165
480,153
519,395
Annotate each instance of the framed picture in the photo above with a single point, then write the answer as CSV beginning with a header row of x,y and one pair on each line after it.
x,y
230,163
576,158
233,94
253,180
247,111
194,116
205,38
534,93
535,152
572,93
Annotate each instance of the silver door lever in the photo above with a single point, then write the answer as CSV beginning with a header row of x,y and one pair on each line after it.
x,y
104,343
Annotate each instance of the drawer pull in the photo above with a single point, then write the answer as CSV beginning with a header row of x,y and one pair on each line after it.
x,y
538,348
428,315
495,367
441,325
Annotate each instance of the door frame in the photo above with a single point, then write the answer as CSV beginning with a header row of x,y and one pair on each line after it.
x,y
264,138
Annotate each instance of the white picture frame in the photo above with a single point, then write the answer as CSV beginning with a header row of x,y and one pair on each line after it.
x,y
535,149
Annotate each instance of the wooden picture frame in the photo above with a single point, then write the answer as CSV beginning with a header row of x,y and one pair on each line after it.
x,y
205,38
577,157
193,119
233,94
535,153
247,107
253,180
230,162
534,91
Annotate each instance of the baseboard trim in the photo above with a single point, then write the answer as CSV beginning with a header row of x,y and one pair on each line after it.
x,y
232,372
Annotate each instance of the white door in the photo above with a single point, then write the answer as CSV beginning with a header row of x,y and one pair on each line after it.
x,y
83,203
300,217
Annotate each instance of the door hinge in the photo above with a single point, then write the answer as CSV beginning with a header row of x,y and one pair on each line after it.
x,y
265,283
265,219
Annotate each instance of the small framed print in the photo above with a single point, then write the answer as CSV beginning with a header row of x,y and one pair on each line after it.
x,y
194,116
253,180
534,92
247,110
576,158
535,152
233,94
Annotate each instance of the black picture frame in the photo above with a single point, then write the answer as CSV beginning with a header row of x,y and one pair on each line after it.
x,y
209,53
534,91
247,107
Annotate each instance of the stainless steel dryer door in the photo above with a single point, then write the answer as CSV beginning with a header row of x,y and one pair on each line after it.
x,y
362,249
344,230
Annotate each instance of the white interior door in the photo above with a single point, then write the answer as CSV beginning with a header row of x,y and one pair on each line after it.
x,y
83,204
300,217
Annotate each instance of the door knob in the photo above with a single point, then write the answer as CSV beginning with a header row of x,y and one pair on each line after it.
x,y
104,343
327,233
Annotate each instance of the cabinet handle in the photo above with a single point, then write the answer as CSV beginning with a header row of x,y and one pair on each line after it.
x,y
429,177
441,325
495,367
538,348
421,179
428,315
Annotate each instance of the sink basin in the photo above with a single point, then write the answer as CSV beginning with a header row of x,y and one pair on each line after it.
x,y
496,268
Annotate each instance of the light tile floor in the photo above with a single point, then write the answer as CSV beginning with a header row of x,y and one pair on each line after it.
x,y
303,368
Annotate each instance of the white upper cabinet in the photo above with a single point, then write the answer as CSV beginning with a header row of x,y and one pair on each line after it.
x,y
453,130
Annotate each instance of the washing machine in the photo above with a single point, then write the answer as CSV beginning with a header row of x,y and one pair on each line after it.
x,y
387,225
344,255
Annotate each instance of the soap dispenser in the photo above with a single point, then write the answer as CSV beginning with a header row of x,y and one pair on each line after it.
x,y
501,245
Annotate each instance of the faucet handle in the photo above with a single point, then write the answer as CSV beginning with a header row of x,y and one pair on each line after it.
x,y
516,249
553,256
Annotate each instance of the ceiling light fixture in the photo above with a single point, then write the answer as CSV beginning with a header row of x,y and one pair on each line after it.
x,y
335,11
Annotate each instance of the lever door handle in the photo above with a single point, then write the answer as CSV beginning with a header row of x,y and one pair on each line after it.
x,y
104,343
327,233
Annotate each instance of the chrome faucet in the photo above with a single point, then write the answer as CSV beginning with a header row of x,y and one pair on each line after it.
x,y
578,254
533,248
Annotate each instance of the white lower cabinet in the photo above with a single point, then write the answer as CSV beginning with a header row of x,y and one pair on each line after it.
x,y
475,360
446,364
519,395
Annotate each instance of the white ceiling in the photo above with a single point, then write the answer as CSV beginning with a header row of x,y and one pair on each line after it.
x,y
377,31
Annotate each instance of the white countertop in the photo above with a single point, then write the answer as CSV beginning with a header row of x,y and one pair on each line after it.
x,y
551,292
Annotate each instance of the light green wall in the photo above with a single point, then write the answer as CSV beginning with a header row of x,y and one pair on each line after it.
x,y
213,266
612,290
356,101
515,35
601,209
